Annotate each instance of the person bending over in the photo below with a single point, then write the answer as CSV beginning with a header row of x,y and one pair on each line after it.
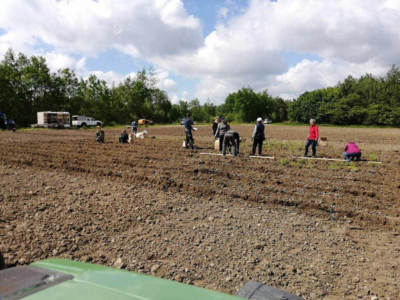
x,y
351,152
232,141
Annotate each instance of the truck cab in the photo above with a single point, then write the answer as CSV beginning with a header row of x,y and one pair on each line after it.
x,y
83,121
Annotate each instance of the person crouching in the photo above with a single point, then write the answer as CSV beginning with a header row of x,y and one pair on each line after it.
x,y
351,152
123,137
100,135
231,140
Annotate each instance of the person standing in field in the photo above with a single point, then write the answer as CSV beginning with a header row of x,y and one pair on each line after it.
x,y
215,125
312,139
351,152
134,127
258,136
188,124
222,128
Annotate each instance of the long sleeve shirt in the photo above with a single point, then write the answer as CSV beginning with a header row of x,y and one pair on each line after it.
x,y
352,148
222,129
313,133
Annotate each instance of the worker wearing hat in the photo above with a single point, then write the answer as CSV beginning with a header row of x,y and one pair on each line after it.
x,y
258,136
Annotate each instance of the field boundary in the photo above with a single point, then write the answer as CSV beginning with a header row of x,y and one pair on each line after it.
x,y
335,159
264,157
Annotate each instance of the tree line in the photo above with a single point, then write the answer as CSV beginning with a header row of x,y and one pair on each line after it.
x,y
27,86
367,100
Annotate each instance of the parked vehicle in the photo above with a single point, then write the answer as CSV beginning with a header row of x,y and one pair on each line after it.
x,y
6,123
145,122
53,119
83,121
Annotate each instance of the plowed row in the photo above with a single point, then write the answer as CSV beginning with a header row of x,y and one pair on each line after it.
x,y
364,191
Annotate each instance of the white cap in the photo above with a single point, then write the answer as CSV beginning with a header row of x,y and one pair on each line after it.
x,y
259,119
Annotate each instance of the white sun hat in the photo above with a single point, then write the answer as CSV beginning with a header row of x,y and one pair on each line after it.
x,y
259,119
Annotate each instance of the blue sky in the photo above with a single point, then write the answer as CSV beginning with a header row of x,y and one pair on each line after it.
x,y
207,49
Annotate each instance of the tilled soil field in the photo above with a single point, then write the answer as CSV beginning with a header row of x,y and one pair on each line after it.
x,y
318,229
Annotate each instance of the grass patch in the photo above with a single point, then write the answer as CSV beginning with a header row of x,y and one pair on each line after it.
x,y
372,157
284,161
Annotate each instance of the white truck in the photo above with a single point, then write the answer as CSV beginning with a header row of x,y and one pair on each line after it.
x,y
83,121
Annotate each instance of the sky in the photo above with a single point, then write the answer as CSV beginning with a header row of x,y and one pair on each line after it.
x,y
207,49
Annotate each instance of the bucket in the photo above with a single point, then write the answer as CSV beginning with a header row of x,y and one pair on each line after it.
x,y
323,141
216,145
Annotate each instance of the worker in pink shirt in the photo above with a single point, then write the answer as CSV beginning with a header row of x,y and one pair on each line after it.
x,y
312,139
351,152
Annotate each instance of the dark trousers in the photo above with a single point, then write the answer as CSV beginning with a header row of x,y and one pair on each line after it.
x,y
313,144
352,156
257,142
221,141
189,139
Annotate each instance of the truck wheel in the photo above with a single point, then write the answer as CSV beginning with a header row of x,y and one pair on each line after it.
x,y
83,125
98,124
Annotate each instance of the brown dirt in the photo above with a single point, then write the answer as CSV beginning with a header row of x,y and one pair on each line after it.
x,y
211,221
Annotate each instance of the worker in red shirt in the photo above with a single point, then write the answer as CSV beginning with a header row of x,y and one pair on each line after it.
x,y
312,139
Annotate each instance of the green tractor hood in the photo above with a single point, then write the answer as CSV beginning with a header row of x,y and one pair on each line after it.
x,y
59,279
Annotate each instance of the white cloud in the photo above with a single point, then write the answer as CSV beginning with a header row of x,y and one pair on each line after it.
x,y
112,78
245,49
309,75
164,82
350,37
57,61
141,27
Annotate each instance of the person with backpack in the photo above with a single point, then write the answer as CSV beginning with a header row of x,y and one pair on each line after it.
x,y
312,139
258,136
222,128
